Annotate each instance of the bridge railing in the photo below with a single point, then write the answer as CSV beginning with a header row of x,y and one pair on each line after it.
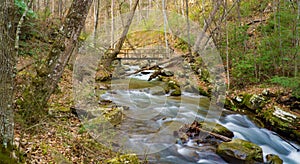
x,y
142,54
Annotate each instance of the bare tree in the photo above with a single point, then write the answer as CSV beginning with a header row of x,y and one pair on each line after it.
x,y
7,73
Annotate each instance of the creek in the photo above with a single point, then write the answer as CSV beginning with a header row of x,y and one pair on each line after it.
x,y
151,119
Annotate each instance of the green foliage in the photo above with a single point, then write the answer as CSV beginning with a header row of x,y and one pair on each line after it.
x,y
244,70
258,51
288,82
21,5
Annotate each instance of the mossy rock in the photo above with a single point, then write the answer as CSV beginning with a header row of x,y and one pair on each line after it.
x,y
176,92
216,128
126,158
240,151
203,92
102,75
229,103
253,102
173,85
273,159
279,125
113,115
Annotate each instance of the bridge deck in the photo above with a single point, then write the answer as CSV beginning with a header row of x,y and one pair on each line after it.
x,y
136,58
141,54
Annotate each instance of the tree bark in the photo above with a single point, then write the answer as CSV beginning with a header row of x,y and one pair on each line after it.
x,y
111,56
7,71
52,69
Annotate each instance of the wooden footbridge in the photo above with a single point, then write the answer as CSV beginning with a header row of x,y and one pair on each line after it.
x,y
142,54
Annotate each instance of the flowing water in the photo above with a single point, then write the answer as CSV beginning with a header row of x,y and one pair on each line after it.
x,y
152,119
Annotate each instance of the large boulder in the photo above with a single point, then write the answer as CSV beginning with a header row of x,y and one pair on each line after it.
x,y
240,151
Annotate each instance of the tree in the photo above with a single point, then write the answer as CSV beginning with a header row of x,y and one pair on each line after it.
x,y
50,71
7,72
110,57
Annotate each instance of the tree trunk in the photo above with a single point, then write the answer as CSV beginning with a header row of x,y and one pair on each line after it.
x,y
296,56
112,25
7,72
188,25
110,57
50,72
227,47
96,17
164,8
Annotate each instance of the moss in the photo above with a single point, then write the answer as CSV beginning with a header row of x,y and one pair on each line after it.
x,y
203,92
240,151
5,157
176,92
216,128
126,158
274,159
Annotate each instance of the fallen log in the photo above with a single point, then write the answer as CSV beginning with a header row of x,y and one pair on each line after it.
x,y
217,136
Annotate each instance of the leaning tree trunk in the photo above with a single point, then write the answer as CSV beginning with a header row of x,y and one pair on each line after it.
x,y
111,56
51,71
7,65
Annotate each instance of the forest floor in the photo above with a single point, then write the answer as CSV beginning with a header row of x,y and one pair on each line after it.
x,y
59,136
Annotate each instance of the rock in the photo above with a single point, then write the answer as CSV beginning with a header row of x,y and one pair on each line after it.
x,y
158,92
101,86
238,99
216,128
273,159
253,101
144,64
203,92
282,122
265,92
173,85
181,74
166,73
296,106
120,71
126,158
102,75
114,115
190,88
240,151
176,92
284,115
